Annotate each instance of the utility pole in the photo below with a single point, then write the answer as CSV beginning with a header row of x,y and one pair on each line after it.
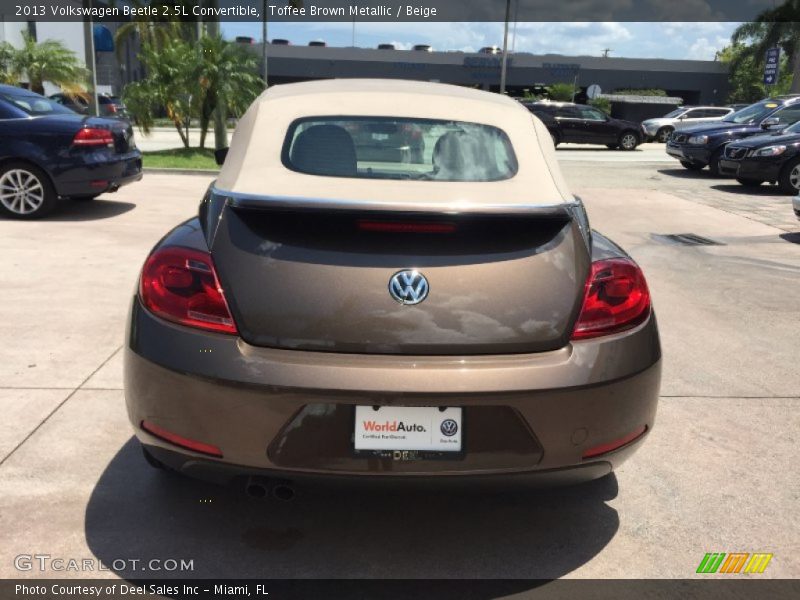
x,y
504,64
264,45
605,52
89,56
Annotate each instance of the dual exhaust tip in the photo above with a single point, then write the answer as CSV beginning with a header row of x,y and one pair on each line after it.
x,y
262,488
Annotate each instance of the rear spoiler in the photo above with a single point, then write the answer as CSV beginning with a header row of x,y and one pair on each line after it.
x,y
251,202
215,202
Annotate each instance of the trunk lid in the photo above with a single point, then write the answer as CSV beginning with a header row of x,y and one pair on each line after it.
x,y
317,277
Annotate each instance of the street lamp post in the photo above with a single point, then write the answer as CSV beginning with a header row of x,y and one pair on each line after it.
x,y
504,64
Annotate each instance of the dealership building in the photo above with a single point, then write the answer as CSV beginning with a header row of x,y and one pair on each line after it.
x,y
695,81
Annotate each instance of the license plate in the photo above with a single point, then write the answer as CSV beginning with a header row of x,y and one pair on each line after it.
x,y
729,166
408,428
380,136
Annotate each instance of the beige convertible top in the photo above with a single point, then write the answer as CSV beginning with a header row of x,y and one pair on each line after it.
x,y
253,166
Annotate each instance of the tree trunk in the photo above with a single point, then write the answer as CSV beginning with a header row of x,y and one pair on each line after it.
x,y
37,86
184,135
220,125
795,89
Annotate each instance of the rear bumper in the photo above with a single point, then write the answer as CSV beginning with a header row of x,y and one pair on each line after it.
x,y
796,206
288,414
96,175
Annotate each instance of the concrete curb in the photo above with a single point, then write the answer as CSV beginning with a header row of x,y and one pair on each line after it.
x,y
166,171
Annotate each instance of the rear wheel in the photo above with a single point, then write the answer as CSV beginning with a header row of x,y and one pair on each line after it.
x,y
749,182
713,163
25,191
662,135
789,180
691,166
628,140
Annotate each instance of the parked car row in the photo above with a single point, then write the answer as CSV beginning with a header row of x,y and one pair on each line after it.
x,y
759,143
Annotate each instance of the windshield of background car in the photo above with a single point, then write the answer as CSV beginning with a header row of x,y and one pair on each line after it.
x,y
793,128
753,113
399,148
36,106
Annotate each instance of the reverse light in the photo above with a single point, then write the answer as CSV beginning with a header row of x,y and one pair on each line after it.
x,y
616,444
615,298
769,151
181,285
179,440
93,137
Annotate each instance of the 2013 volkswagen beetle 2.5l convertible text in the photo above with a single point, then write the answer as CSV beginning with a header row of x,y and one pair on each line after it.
x,y
390,280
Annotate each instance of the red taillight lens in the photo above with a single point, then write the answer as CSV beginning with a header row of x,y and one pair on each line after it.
x,y
406,226
112,109
179,440
616,298
93,136
181,285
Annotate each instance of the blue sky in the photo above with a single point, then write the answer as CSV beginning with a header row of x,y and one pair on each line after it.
x,y
636,40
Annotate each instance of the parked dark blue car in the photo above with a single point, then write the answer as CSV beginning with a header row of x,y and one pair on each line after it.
x,y
48,152
704,145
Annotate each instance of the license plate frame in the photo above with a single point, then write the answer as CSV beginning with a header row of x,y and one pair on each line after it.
x,y
408,449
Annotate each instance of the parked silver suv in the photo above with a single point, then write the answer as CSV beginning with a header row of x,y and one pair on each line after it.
x,y
660,129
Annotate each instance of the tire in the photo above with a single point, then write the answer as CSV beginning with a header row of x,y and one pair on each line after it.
x,y
662,135
713,162
789,179
25,191
749,182
692,166
612,146
152,460
628,140
84,198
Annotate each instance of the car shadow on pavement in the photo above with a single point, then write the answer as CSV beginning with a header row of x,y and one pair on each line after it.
x,y
686,173
760,190
89,210
136,512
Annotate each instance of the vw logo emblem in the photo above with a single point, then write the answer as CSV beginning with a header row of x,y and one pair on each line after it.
x,y
449,427
408,287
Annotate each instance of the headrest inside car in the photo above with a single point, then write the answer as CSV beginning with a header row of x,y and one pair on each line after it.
x,y
325,150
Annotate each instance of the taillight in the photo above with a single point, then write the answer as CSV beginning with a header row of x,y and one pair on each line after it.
x,y
93,136
616,298
112,109
181,285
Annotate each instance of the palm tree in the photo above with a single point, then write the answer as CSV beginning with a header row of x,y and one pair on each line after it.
x,y
169,85
7,74
153,31
50,61
228,80
774,27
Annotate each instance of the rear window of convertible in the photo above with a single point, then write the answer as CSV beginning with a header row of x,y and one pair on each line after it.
x,y
398,148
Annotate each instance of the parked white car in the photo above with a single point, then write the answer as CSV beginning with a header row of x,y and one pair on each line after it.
x,y
660,129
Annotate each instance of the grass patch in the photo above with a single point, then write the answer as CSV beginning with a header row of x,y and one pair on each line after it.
x,y
180,158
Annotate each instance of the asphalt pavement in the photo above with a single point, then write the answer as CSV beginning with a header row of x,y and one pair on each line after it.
x,y
717,474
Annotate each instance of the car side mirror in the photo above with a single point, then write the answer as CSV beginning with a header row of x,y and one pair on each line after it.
x,y
220,154
771,122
